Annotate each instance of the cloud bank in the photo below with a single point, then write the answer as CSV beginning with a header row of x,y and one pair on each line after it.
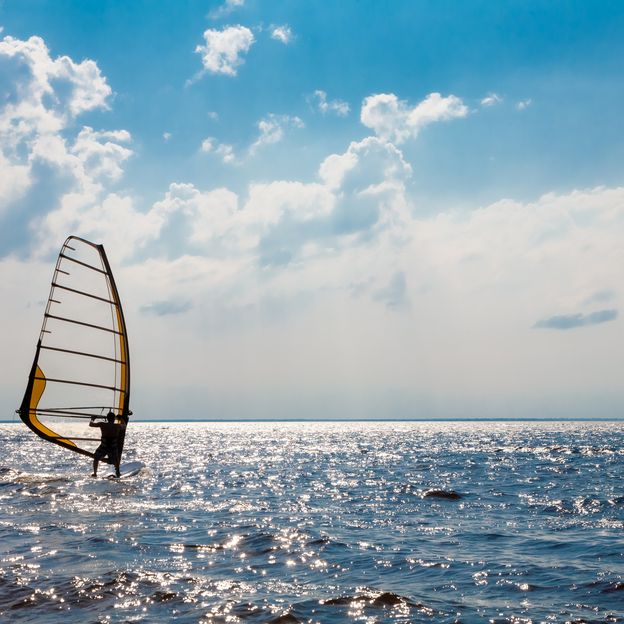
x,y
573,321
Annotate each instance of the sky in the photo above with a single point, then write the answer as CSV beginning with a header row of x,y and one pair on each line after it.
x,y
355,209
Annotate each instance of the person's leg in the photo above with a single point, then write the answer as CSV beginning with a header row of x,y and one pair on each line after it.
x,y
96,459
116,461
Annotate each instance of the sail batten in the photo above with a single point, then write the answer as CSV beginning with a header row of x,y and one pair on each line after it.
x,y
81,363
84,294
65,413
83,353
84,264
80,383
68,320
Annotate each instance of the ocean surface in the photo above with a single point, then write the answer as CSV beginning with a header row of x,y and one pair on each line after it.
x,y
319,522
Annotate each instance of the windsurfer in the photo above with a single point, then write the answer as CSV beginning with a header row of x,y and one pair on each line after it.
x,y
109,444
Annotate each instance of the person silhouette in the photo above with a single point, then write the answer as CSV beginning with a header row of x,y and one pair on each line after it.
x,y
109,445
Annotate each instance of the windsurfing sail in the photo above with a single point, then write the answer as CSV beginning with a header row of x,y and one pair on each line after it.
x,y
82,362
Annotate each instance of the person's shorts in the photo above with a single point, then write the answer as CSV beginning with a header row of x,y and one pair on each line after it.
x,y
104,450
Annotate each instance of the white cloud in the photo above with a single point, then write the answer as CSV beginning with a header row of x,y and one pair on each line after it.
x,y
209,216
167,136
491,99
272,129
227,154
40,153
282,33
524,104
224,49
52,91
208,145
394,120
101,153
225,151
369,162
325,106
14,181
226,8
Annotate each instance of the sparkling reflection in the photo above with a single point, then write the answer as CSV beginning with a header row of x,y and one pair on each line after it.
x,y
319,522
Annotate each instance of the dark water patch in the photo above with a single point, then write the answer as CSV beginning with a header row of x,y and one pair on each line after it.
x,y
618,586
320,541
163,596
259,544
374,599
284,619
444,494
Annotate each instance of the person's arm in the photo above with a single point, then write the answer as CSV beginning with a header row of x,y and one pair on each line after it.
x,y
93,423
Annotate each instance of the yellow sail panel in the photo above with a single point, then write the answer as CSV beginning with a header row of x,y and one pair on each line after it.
x,y
124,361
37,390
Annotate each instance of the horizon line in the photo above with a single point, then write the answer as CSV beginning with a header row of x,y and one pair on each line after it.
x,y
362,420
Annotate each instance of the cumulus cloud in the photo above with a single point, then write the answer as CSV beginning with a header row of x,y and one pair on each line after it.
x,y
573,321
49,172
48,91
325,106
491,99
101,153
282,33
272,129
361,195
223,50
223,150
395,120
366,164
188,219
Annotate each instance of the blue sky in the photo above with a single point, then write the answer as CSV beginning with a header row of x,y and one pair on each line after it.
x,y
406,209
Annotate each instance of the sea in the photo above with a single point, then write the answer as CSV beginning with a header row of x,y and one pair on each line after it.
x,y
319,522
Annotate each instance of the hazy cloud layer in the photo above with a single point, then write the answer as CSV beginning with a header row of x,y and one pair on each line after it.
x,y
394,294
